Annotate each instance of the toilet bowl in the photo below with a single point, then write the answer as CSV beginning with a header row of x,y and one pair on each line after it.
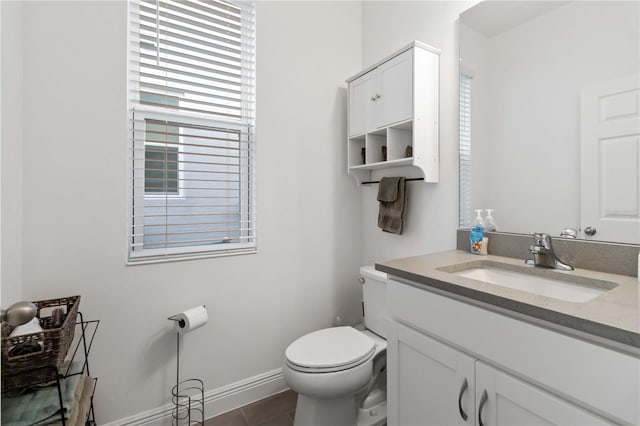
x,y
339,373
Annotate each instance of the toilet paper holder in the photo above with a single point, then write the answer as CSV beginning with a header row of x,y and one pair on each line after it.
x,y
175,318
191,319
187,395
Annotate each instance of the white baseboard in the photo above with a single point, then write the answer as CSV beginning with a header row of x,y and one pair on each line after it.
x,y
216,401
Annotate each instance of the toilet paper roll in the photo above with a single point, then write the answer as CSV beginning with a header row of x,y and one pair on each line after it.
x,y
191,319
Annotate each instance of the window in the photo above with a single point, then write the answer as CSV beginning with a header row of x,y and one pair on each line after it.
x,y
160,169
161,159
192,129
465,150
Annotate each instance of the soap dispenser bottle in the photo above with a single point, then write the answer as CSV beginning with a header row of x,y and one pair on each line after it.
x,y
477,233
489,222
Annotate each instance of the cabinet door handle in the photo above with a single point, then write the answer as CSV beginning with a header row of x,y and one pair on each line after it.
x,y
463,388
483,400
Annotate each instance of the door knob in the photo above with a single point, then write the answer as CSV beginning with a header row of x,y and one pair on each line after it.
x,y
590,231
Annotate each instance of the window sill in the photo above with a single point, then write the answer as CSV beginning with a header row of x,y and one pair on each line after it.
x,y
186,257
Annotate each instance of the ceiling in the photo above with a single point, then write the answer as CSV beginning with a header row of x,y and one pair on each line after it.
x,y
495,17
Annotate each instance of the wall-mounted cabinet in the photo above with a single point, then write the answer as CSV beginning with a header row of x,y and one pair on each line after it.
x,y
393,114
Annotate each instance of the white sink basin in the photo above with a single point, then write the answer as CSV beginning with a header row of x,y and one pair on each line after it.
x,y
535,280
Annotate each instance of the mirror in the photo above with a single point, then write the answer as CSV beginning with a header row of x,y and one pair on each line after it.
x,y
550,108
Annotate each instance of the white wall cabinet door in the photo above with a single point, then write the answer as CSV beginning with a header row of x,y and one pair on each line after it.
x,y
382,96
395,88
502,400
433,384
362,112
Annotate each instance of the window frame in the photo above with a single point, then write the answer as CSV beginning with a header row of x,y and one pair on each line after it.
x,y
244,126
180,194
465,83
194,251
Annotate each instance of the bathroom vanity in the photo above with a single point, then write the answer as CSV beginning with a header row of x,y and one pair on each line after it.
x,y
466,348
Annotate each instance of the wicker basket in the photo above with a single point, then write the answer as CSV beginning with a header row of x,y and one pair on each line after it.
x,y
39,367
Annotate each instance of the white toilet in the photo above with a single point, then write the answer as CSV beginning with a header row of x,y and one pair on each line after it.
x,y
339,373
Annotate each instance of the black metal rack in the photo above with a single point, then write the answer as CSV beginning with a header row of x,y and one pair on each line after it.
x,y
87,327
85,339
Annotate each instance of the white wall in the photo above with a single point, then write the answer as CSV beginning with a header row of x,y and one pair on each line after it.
x,y
533,78
315,225
432,215
11,160
74,204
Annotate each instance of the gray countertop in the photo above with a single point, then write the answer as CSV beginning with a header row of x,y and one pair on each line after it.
x,y
613,316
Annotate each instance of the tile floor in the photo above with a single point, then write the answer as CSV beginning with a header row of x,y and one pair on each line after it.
x,y
276,410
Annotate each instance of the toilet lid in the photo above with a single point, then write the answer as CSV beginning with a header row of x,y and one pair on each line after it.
x,y
330,348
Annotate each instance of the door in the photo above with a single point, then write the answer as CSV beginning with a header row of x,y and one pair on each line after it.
x,y
395,87
429,383
504,400
362,93
610,160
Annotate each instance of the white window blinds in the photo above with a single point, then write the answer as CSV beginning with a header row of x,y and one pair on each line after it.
x,y
465,151
192,127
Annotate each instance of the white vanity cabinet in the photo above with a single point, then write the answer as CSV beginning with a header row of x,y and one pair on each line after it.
x,y
431,383
428,383
503,400
393,114
448,359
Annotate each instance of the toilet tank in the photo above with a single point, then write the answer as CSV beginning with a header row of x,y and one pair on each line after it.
x,y
374,299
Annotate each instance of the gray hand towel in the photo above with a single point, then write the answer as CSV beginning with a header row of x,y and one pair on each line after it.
x,y
393,204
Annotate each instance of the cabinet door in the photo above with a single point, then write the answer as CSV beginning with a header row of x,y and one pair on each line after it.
x,y
504,400
395,87
429,382
362,103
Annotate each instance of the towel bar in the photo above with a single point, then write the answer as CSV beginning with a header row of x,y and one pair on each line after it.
x,y
377,181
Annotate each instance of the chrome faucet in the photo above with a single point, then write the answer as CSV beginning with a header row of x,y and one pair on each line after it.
x,y
543,254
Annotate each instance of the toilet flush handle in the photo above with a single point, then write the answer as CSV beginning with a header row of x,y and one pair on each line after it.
x,y
361,280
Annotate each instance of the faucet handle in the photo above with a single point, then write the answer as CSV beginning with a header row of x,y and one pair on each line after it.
x,y
543,254
569,233
541,239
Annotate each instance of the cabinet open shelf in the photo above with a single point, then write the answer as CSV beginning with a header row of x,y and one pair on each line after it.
x,y
384,164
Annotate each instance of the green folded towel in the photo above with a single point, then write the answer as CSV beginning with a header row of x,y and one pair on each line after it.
x,y
41,406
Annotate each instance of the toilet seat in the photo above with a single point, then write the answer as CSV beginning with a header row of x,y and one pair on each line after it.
x,y
329,350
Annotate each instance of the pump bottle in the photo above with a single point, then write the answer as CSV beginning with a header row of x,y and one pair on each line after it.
x,y
477,233
489,222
